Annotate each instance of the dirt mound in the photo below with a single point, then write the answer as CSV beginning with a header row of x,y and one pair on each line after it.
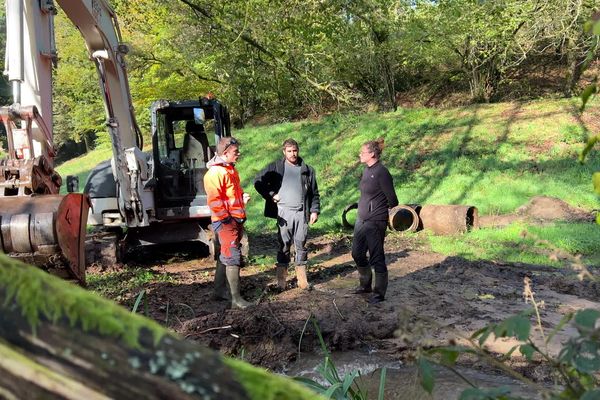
x,y
272,333
540,209
544,208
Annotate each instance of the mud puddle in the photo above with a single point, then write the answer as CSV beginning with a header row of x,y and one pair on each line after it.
x,y
402,382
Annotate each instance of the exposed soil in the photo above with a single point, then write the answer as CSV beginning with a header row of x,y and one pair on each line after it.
x,y
540,209
431,298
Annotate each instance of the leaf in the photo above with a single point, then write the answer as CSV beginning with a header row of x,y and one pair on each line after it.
x,y
485,336
479,332
348,380
527,350
381,394
517,326
484,394
137,301
587,318
596,28
331,390
427,376
588,147
563,321
596,182
588,358
448,357
593,395
315,386
585,95
522,328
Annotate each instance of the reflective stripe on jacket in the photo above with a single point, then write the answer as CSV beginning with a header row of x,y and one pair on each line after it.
x,y
223,191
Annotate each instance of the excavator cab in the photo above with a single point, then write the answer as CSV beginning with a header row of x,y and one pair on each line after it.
x,y
184,135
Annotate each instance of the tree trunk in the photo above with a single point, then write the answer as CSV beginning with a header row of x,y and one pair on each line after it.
x,y
58,341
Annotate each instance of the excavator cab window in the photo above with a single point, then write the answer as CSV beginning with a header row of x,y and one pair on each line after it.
x,y
183,151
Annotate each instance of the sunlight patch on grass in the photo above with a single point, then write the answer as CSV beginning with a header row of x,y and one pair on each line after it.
x,y
83,165
519,242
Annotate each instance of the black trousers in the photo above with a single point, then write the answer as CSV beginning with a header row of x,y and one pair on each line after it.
x,y
369,237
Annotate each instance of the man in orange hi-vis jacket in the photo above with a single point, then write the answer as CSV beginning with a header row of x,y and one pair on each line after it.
x,y
227,202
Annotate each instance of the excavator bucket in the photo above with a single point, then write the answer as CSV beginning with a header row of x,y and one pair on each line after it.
x,y
37,229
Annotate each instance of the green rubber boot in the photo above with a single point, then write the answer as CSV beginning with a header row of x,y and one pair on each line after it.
x,y
233,278
365,279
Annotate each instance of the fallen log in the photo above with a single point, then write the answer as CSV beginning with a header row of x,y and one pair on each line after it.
x,y
58,341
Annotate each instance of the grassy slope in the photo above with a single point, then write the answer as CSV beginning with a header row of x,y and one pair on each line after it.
x,y
493,156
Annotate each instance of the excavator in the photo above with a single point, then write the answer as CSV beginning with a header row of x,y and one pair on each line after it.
x,y
148,197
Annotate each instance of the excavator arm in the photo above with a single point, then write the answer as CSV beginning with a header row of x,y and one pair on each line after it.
x,y
36,222
97,22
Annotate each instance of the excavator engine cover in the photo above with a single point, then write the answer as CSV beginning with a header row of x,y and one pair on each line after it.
x,y
37,228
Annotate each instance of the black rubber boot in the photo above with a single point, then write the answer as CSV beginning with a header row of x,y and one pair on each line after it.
x,y
233,278
381,284
365,278
221,292
281,272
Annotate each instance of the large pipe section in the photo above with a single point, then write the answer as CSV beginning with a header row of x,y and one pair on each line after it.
x,y
42,226
404,218
440,219
449,219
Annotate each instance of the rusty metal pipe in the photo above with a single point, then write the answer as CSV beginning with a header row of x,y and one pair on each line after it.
x,y
37,227
449,219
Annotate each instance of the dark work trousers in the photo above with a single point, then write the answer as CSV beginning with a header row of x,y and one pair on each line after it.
x,y
230,235
369,236
291,228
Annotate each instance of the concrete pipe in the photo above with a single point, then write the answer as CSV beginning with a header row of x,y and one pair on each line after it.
x,y
345,222
404,218
449,219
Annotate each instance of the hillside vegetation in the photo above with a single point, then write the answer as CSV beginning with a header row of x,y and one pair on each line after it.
x,y
494,156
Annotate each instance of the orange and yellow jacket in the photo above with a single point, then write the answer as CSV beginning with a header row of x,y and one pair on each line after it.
x,y
223,190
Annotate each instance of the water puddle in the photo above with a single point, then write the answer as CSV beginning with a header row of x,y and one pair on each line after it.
x,y
402,381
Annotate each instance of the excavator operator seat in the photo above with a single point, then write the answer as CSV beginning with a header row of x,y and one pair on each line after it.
x,y
196,150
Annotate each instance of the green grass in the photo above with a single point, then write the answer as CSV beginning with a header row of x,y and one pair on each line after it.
x,y
495,157
82,166
116,285
525,244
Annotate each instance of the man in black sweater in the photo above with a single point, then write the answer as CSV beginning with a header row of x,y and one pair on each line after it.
x,y
377,196
289,187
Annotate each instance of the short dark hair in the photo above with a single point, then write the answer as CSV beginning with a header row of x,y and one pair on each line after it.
x,y
225,143
289,143
375,147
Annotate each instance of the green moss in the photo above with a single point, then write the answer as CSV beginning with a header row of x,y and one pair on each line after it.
x,y
260,384
40,295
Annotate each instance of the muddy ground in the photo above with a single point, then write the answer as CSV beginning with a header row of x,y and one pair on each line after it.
x,y
431,299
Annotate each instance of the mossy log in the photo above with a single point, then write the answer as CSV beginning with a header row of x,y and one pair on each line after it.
x,y
58,341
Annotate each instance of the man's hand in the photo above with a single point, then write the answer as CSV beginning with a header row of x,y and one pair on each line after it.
x,y
246,198
276,198
313,218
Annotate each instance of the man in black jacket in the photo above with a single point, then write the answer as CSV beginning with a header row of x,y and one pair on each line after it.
x,y
289,187
377,196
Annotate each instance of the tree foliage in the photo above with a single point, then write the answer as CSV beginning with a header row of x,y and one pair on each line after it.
x,y
287,59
